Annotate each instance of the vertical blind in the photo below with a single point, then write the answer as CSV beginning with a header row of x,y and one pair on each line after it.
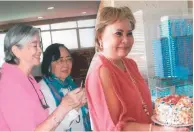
x,y
138,52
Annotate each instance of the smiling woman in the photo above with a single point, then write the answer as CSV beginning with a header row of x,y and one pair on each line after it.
x,y
20,95
17,53
57,82
118,96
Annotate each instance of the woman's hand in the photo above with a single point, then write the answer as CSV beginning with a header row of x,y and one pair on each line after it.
x,y
72,99
170,129
173,129
133,126
83,100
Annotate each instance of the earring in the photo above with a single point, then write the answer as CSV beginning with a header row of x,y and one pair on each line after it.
x,y
49,69
101,46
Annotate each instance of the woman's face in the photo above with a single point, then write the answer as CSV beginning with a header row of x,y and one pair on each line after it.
x,y
29,54
62,67
117,39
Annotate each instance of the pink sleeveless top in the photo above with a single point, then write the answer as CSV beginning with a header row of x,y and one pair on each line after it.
x,y
127,94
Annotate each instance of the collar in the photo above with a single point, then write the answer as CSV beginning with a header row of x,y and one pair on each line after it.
x,y
14,70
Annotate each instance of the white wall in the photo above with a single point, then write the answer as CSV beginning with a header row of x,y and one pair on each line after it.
x,y
152,11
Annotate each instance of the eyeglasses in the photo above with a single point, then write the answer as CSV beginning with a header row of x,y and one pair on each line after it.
x,y
42,101
68,60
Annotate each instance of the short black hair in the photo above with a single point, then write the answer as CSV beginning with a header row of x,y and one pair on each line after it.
x,y
52,53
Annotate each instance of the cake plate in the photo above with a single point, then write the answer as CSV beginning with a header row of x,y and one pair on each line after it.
x,y
153,118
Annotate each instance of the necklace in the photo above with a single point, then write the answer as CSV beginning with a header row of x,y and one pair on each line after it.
x,y
144,105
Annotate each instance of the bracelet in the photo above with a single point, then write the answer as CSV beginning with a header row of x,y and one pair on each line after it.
x,y
57,121
150,128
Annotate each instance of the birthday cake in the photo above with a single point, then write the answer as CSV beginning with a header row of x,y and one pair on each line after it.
x,y
174,110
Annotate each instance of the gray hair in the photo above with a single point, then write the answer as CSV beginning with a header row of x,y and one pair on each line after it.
x,y
19,35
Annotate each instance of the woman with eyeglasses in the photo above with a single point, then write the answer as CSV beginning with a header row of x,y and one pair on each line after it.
x,y
22,104
57,82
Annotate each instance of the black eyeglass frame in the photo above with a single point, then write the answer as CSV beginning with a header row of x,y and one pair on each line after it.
x,y
44,105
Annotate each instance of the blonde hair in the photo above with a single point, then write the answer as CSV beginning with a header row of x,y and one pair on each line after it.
x,y
109,15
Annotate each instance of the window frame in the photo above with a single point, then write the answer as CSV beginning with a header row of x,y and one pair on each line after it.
x,y
63,29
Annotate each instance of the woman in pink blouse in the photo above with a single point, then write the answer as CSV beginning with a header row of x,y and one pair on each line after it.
x,y
118,96
22,105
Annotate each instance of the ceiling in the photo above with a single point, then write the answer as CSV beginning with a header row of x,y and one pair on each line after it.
x,y
25,11
153,4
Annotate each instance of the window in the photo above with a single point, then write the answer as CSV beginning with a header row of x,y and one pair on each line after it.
x,y
46,39
72,33
138,51
66,37
87,37
43,27
87,23
64,25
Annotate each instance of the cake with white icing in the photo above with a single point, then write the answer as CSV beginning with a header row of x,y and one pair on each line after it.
x,y
174,110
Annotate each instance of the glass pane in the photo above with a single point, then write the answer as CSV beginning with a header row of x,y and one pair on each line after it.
x,y
66,37
43,27
64,25
46,39
2,36
87,37
87,23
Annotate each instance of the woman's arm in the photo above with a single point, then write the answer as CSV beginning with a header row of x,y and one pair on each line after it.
x,y
102,119
112,101
104,106
53,120
69,102
70,116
